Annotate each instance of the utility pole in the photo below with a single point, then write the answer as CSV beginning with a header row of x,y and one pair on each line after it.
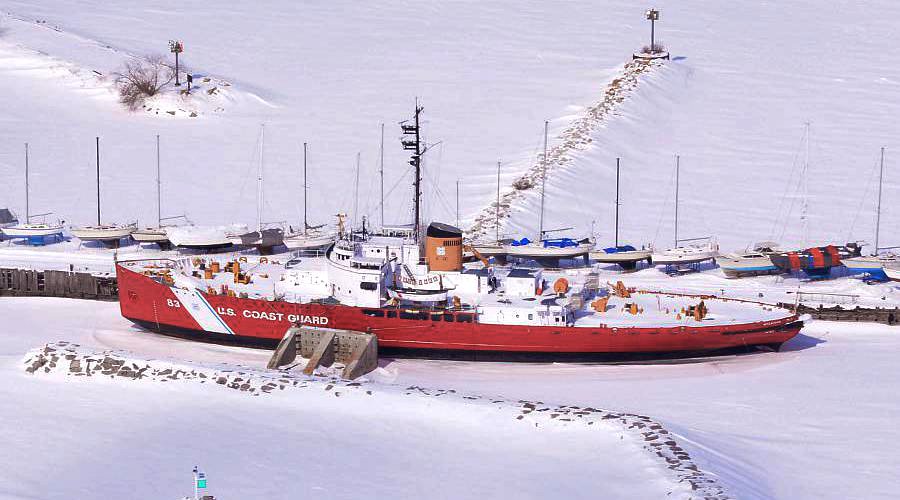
x,y
176,47
27,207
878,212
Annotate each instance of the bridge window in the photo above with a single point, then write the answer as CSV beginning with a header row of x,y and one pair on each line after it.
x,y
368,285
464,318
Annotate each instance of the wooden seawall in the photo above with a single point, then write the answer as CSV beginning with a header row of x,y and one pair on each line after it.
x,y
857,314
31,283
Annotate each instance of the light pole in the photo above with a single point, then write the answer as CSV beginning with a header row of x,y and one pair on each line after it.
x,y
176,47
652,16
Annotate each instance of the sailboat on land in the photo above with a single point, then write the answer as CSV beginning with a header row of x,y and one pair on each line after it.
x,y
696,251
265,239
35,232
626,256
310,237
875,265
547,250
156,234
108,234
755,261
892,271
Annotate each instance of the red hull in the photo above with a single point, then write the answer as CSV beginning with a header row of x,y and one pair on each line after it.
x,y
149,302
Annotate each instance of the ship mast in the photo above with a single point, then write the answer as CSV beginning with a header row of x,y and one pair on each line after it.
x,y
415,145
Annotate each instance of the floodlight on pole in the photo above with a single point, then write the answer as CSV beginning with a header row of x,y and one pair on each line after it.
x,y
652,16
176,47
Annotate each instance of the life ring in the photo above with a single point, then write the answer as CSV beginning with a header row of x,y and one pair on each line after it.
x,y
242,259
263,260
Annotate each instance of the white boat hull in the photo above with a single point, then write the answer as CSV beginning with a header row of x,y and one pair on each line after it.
x,y
308,241
619,257
418,295
735,266
892,272
150,235
103,233
31,230
542,252
685,255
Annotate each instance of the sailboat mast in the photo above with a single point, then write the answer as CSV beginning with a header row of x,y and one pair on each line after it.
x,y
457,202
497,220
804,207
259,178
617,202
27,206
158,188
381,172
356,194
305,190
98,180
543,183
878,211
677,172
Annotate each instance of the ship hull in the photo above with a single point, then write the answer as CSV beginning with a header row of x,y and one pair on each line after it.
x,y
159,307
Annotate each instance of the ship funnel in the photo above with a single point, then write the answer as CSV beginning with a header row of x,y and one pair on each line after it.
x,y
443,247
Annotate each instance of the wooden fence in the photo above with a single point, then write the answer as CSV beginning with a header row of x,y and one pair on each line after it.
x,y
30,283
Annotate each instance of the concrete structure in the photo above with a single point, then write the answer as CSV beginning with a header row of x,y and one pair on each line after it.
x,y
357,351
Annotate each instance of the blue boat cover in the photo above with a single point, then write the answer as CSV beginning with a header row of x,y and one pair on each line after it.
x,y
522,242
560,243
623,248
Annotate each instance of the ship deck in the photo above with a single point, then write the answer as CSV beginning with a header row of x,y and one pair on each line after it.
x,y
272,279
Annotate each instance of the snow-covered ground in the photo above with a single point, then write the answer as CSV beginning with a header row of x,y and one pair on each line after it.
x,y
733,102
813,422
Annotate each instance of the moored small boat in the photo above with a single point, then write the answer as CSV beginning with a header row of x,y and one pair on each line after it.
x,y
311,240
873,265
105,233
815,261
691,254
198,237
892,271
754,262
32,230
555,248
626,256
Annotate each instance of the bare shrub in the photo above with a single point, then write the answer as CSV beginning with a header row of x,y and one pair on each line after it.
x,y
141,79
656,48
